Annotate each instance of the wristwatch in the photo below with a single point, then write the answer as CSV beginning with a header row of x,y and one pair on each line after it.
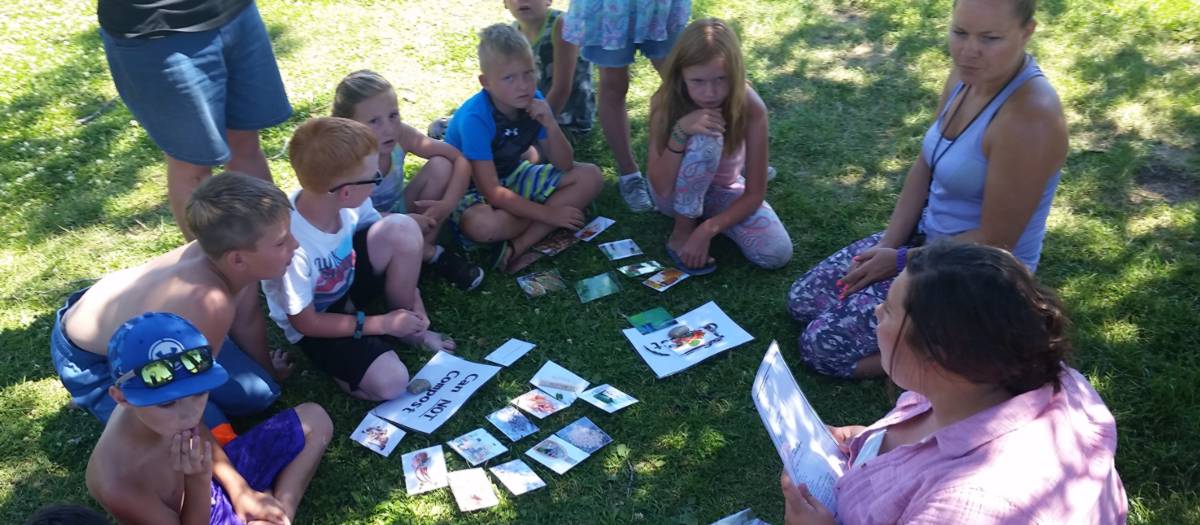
x,y
359,318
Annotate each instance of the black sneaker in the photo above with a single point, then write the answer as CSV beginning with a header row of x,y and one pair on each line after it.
x,y
452,267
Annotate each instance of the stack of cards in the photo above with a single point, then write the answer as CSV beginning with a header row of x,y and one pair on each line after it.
x,y
665,279
477,446
555,243
424,470
517,477
538,284
640,269
512,423
621,249
509,352
594,228
538,403
472,490
378,435
608,398
596,287
559,382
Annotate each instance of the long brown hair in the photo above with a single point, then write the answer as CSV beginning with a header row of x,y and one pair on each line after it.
x,y
702,41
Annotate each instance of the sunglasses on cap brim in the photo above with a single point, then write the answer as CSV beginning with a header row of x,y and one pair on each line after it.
x,y
161,372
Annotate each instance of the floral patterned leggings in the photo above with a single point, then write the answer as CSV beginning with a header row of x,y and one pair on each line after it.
x,y
837,334
761,236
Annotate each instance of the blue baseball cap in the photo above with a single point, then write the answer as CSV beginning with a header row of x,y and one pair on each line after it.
x,y
153,336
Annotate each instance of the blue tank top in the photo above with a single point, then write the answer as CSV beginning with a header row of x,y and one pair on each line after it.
x,y
956,192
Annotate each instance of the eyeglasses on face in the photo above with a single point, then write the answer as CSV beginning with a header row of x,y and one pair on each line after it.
x,y
374,181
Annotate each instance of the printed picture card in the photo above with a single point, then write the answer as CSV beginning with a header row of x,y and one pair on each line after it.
x,y
556,242
378,435
585,435
564,385
509,352
621,249
596,287
651,320
538,284
512,423
477,446
608,398
472,490
665,279
557,454
640,269
538,403
424,470
517,477
599,224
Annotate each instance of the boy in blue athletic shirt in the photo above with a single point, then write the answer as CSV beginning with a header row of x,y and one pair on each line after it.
x,y
511,200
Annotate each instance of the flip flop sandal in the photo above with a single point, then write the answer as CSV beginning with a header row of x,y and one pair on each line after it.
x,y
503,256
705,270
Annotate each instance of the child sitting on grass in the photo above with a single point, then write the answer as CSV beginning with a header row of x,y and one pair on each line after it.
x,y
155,463
349,257
365,96
513,201
564,76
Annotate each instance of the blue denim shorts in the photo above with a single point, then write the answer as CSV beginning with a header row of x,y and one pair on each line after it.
x,y
87,376
186,89
651,49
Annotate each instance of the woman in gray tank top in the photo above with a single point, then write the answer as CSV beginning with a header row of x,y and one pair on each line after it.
x,y
987,172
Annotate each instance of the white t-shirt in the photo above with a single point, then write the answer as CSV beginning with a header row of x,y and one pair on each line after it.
x,y
322,268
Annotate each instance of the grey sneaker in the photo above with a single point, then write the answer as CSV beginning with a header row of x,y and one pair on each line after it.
x,y
437,128
636,193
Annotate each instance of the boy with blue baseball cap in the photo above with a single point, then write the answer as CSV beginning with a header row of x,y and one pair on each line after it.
x,y
155,462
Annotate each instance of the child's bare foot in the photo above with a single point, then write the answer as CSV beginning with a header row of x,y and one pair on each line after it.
x,y
679,236
281,364
431,341
519,263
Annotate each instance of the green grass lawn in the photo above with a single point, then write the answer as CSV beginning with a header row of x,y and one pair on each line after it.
x,y
851,85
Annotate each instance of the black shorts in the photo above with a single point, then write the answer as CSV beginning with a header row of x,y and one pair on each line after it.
x,y
347,358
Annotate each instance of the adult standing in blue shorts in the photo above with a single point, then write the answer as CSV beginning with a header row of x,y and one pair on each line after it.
x,y
200,77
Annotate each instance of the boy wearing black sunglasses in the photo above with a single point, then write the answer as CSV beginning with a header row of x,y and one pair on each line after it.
x,y
242,236
349,258
155,463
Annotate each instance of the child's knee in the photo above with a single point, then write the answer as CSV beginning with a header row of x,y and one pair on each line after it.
x,y
386,379
397,231
318,427
438,168
587,175
773,255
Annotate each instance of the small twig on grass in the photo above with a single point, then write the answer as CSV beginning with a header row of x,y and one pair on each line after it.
x,y
96,114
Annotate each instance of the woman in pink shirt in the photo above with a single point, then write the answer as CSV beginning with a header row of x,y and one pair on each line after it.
x,y
995,427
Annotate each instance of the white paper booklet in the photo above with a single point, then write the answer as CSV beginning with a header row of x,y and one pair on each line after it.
x,y
707,332
510,352
424,470
453,380
809,452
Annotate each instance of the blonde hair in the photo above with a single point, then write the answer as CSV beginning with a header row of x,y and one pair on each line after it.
x,y
501,41
702,41
324,150
229,212
355,88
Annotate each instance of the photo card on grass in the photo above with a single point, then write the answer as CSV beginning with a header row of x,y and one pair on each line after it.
x,y
538,403
378,435
596,287
424,470
564,385
621,249
557,454
509,352
556,242
607,398
477,446
472,490
512,423
585,435
640,269
538,284
594,228
517,477
665,279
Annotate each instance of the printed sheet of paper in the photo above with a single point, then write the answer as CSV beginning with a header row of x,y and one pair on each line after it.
x,y
556,242
453,380
477,446
378,435
599,224
562,384
665,279
538,284
517,477
621,249
538,403
809,452
510,352
710,332
607,398
512,423
424,470
640,269
557,454
472,490
585,435
743,517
